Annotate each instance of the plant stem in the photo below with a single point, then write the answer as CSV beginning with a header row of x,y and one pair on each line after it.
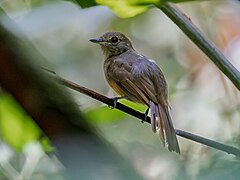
x,y
208,142
186,25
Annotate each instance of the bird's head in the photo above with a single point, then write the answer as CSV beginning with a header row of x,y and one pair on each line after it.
x,y
113,43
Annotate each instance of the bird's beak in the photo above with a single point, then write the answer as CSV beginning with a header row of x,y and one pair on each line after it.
x,y
97,40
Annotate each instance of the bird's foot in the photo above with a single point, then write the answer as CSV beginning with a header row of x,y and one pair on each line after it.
x,y
145,115
115,100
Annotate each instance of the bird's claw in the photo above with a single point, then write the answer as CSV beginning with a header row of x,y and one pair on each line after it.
x,y
145,116
115,100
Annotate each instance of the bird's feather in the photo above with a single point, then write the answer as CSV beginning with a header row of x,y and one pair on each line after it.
x,y
142,81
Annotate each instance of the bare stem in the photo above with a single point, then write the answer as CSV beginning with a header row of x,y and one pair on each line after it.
x,y
186,25
141,116
208,142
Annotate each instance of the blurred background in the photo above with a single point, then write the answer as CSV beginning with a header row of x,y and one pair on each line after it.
x,y
203,100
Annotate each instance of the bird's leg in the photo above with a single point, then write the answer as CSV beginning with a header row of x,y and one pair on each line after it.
x,y
145,115
115,100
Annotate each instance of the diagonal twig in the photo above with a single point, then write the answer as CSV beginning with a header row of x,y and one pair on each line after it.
x,y
141,116
193,32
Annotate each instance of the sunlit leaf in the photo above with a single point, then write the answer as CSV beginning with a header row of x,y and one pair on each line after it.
x,y
104,115
46,145
107,115
127,8
139,107
16,126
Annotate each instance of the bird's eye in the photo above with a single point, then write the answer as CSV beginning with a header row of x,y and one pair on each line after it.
x,y
114,39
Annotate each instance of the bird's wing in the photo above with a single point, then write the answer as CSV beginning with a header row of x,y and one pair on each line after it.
x,y
143,81
137,80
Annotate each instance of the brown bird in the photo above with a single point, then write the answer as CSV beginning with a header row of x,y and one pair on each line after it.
x,y
137,78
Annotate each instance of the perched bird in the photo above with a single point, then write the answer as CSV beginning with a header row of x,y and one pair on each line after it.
x,y
138,78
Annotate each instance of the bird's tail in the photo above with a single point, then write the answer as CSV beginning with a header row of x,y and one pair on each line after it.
x,y
160,118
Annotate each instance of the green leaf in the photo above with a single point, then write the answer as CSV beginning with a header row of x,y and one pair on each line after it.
x,y
105,114
127,8
16,127
46,145
86,3
131,8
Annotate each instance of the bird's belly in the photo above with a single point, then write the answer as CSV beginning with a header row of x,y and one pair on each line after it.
x,y
115,87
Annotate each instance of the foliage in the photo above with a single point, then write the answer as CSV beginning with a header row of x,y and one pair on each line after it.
x,y
16,127
105,114
86,3
127,8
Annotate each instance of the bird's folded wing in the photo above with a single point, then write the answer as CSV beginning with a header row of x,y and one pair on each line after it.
x,y
138,86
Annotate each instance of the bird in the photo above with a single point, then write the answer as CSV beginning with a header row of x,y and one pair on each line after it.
x,y
139,79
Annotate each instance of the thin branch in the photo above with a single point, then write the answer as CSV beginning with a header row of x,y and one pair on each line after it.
x,y
208,142
98,96
186,25
141,116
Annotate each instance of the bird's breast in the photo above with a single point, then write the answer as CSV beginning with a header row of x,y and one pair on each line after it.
x,y
108,68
